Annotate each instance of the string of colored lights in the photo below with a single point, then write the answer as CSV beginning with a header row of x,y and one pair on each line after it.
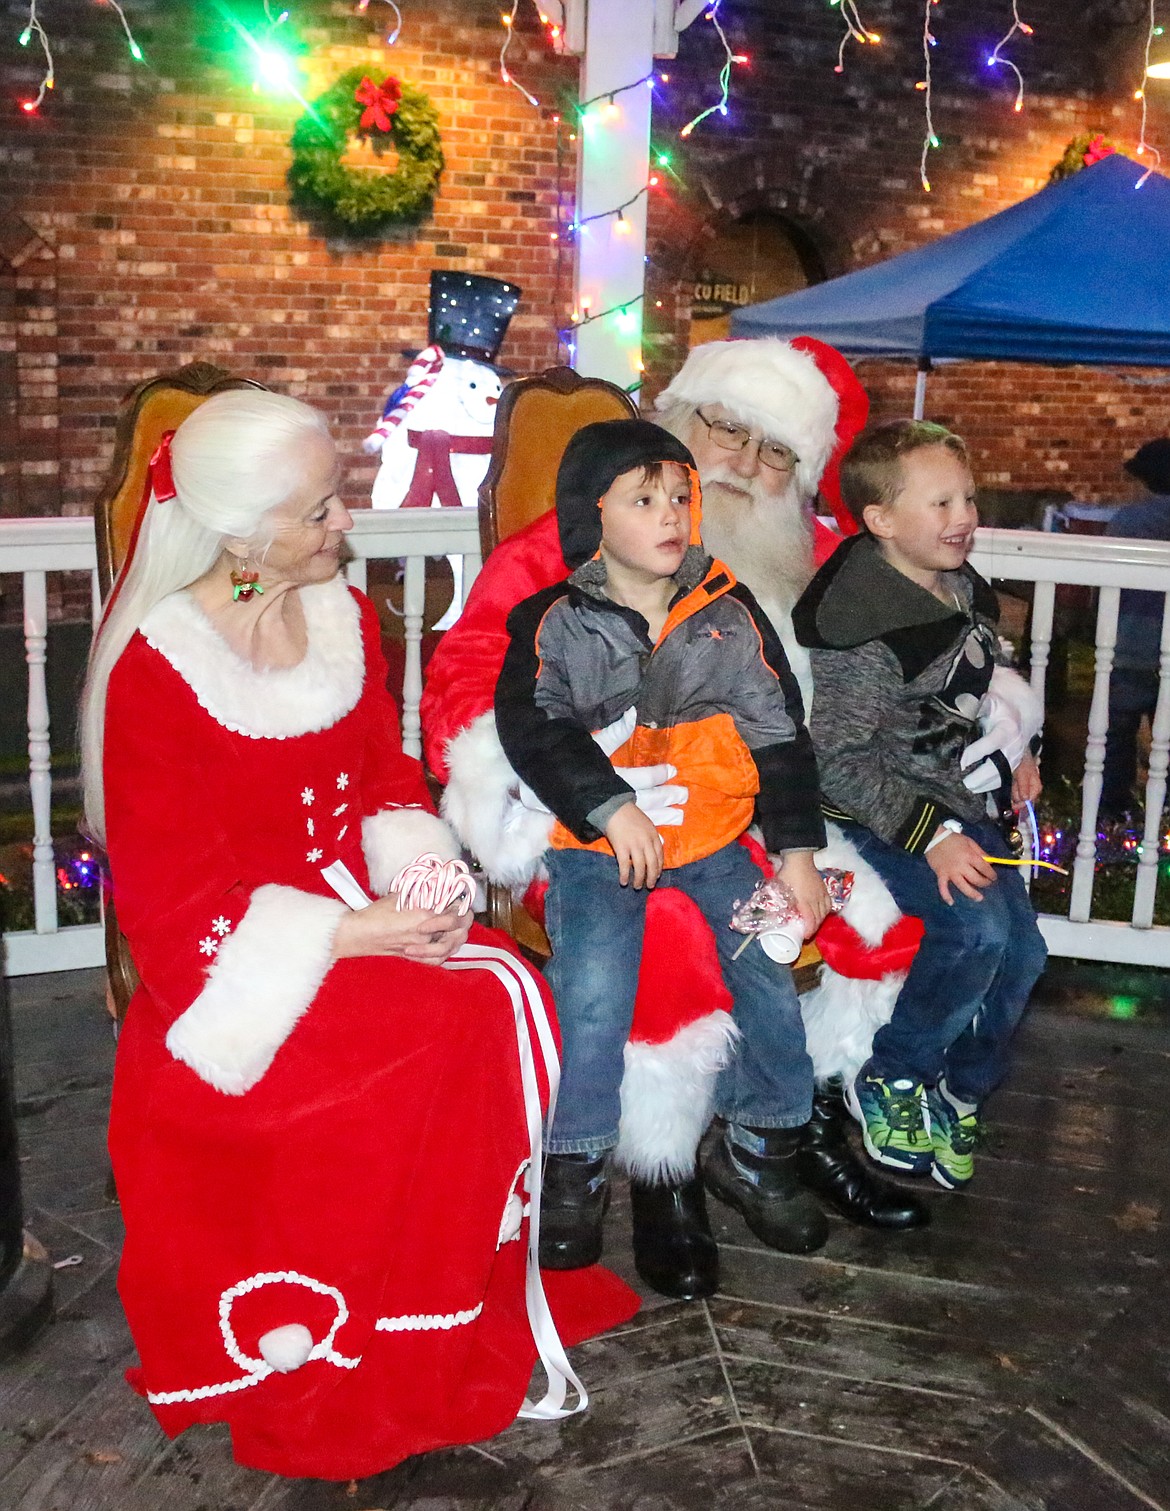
x,y
1152,30
995,58
33,28
649,79
619,210
930,139
627,322
855,30
508,18
135,50
729,59
391,36
584,316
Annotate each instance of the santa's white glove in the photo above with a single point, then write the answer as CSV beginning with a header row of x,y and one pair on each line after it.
x,y
661,802
374,442
1011,715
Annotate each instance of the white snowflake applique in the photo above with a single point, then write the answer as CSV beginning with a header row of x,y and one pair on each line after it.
x,y
314,856
311,827
208,946
342,832
307,797
343,781
340,809
222,926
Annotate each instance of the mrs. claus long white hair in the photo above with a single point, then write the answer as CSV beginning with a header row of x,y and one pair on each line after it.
x,y
234,460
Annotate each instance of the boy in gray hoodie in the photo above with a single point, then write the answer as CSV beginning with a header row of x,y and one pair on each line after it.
x,y
901,633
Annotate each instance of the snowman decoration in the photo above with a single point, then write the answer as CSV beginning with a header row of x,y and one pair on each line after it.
x,y
435,434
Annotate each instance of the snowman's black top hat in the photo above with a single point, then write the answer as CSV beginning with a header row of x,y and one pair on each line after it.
x,y
469,314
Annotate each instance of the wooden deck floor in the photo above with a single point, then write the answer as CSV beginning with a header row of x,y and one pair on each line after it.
x,y
1013,1356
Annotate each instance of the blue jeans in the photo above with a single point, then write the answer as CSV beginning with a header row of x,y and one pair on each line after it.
x,y
971,978
596,927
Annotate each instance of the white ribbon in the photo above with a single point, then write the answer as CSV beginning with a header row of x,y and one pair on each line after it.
x,y
517,980
520,985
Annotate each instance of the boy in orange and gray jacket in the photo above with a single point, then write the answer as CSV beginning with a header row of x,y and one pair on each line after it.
x,y
650,629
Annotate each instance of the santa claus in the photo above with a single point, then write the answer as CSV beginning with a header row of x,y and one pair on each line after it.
x,y
744,409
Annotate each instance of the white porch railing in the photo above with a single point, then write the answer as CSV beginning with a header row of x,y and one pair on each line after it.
x,y
1110,565
34,547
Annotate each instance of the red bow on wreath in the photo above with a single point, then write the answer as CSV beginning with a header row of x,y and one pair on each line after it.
x,y
1096,150
380,100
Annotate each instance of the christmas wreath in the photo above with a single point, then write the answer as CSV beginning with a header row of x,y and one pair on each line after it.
x,y
364,199
1083,151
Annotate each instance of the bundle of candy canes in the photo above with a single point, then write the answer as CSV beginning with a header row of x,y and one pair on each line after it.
x,y
771,914
435,884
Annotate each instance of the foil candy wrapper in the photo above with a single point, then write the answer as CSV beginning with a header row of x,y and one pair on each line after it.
x,y
771,910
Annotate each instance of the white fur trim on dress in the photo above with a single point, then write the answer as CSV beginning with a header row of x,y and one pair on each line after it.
x,y
668,1092
769,383
481,802
841,1016
284,702
265,976
396,836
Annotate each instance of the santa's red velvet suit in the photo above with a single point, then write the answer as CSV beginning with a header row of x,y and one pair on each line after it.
x,y
322,1164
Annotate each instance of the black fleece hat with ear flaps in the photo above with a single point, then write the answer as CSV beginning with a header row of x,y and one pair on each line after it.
x,y
596,456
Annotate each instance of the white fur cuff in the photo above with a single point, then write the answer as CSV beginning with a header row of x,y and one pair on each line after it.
x,y
396,836
668,1091
481,802
264,978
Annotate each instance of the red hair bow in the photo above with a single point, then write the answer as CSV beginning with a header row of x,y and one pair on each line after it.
x,y
158,469
380,100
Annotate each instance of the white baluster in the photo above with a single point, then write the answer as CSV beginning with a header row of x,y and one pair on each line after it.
x,y
413,603
355,573
1082,886
1147,874
95,598
1043,605
471,566
36,621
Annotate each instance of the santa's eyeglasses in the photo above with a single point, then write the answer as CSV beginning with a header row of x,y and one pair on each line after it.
x,y
729,437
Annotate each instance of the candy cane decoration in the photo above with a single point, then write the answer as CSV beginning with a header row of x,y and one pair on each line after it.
x,y
423,375
435,885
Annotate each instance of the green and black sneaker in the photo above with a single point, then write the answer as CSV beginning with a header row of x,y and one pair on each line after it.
x,y
954,1136
893,1122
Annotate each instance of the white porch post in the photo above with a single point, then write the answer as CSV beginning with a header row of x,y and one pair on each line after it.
x,y
614,158
619,40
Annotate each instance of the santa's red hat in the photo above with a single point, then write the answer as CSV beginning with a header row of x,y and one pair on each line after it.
x,y
800,392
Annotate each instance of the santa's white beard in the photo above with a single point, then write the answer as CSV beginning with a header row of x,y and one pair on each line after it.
x,y
765,538
767,541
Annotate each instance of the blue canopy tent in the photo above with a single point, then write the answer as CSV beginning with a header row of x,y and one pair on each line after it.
x,y
1079,272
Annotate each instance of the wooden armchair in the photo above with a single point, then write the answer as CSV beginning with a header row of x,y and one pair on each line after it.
x,y
537,418
155,406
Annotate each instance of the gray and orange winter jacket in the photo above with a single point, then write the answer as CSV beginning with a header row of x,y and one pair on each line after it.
x,y
714,696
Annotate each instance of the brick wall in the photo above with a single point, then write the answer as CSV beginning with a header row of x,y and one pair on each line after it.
x,y
145,218
838,157
159,192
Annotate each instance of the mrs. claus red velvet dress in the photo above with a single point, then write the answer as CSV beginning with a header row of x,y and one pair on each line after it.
x,y
335,1151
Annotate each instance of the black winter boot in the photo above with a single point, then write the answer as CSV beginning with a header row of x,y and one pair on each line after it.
x,y
761,1184
826,1164
673,1249
573,1198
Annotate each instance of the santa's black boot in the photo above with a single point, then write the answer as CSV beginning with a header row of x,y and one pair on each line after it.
x,y
573,1197
761,1183
674,1251
827,1165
